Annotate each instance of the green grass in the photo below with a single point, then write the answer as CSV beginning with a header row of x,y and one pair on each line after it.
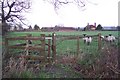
x,y
115,33
66,46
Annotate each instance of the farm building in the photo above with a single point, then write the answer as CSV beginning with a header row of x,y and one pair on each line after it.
x,y
91,27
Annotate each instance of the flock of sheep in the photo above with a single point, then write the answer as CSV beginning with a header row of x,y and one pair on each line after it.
x,y
88,39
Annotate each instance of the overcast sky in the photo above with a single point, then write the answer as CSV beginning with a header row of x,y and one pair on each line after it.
x,y
104,12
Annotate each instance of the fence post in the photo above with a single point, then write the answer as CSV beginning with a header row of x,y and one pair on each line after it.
x,y
54,46
78,46
27,44
99,41
43,45
49,41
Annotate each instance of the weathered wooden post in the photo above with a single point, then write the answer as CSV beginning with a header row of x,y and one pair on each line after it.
x,y
54,46
78,46
43,45
99,41
49,43
27,44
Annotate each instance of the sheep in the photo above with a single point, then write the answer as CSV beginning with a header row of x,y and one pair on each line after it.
x,y
113,38
110,38
102,37
106,38
87,40
84,39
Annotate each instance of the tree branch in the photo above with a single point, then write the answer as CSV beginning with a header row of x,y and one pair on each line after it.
x,y
10,7
13,9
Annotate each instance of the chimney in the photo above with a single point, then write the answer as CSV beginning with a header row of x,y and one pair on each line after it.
x,y
87,24
95,24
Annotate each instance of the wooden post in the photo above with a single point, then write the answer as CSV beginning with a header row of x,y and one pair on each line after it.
x,y
54,46
43,45
99,41
49,41
78,46
27,44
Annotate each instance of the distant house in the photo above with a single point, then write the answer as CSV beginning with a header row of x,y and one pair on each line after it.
x,y
91,27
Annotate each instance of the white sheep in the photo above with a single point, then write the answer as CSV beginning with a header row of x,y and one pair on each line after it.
x,y
106,38
87,40
102,37
111,38
84,39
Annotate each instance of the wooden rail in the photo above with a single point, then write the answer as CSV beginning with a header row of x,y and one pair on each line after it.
x,y
26,38
40,47
27,48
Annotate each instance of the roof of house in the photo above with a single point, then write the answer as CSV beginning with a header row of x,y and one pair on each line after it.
x,y
91,26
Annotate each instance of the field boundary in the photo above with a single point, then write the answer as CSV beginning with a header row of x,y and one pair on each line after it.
x,y
39,47
51,44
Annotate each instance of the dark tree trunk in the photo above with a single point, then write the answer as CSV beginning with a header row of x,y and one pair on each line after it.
x,y
4,28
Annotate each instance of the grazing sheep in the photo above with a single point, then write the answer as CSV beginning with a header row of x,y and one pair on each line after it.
x,y
87,40
84,39
106,38
113,38
110,38
102,37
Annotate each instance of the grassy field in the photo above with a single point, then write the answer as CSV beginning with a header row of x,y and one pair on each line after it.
x,y
66,47
115,33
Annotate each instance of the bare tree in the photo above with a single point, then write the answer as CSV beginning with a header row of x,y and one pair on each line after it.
x,y
58,3
11,11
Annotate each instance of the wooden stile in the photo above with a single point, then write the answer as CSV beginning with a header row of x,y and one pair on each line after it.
x,y
30,46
